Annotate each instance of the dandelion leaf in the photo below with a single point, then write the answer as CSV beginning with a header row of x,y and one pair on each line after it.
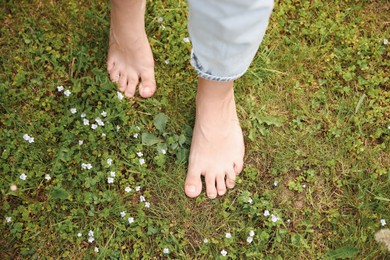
x,y
59,193
149,139
346,252
160,122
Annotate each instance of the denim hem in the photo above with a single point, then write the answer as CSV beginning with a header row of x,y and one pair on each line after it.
x,y
207,75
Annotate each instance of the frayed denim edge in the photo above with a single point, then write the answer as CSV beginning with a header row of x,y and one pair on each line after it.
x,y
199,69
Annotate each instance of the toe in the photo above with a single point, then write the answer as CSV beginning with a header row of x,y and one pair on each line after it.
x,y
122,83
110,65
210,186
221,187
147,87
231,179
193,184
132,82
238,166
114,75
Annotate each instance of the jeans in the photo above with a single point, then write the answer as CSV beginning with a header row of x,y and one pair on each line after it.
x,y
226,35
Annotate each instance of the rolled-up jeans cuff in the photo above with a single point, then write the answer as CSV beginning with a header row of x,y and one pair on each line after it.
x,y
207,74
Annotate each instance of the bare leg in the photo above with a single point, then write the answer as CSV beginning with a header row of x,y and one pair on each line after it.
x,y
217,148
130,59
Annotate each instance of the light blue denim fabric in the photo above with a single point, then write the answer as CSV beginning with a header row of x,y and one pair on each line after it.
x,y
226,35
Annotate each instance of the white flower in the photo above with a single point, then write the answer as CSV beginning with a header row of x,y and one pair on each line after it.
x,y
160,19
8,219
274,218
83,115
186,40
385,41
288,220
140,154
142,198
131,220
163,151
120,95
250,200
276,183
147,204
205,240
94,126
67,93
166,61
228,235
383,222
81,142
223,252
135,135
304,186
90,233
79,234
118,127
127,189
109,161
60,88
266,213
103,135
251,233
123,214
91,239
249,239
141,161
23,176
85,121
112,174
47,177
166,251
73,110
99,121
110,180
104,114
137,188
96,249
13,187
86,166
28,138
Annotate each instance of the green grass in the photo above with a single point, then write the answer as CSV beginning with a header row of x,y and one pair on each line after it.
x,y
314,107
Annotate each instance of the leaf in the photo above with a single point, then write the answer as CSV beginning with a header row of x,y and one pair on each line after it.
x,y
149,139
342,253
160,122
360,103
59,193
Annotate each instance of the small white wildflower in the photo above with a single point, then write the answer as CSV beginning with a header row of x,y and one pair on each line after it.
x,y
23,176
135,135
304,186
112,174
141,161
81,142
110,180
140,154
120,95
96,249
205,240
91,239
85,121
31,140
385,41
104,114
160,19
166,61
274,218
109,161
166,251
127,189
266,213
249,239
8,219
26,137
83,115
94,126
67,93
250,201
383,222
276,183
228,235
163,151
186,40
86,166
99,121
288,220
147,204
73,110
103,135
90,233
60,88
13,187
47,177
137,188
142,198
118,127
79,234
123,214
251,233
131,220
223,252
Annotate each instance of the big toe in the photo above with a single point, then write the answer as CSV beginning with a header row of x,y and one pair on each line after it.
x,y
147,87
193,185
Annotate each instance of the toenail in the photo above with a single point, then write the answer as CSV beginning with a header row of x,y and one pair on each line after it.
x,y
191,188
212,196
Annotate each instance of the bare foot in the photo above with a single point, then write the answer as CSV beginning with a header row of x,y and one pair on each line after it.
x,y
130,59
217,148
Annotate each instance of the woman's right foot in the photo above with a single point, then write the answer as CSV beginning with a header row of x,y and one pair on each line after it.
x,y
130,59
